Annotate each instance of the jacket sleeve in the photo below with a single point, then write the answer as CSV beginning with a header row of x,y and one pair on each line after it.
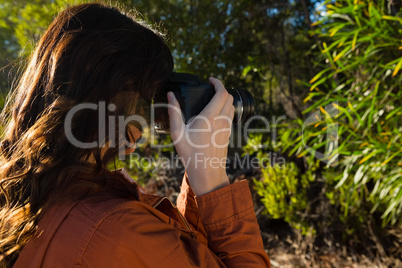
x,y
231,226
187,205
139,235
228,222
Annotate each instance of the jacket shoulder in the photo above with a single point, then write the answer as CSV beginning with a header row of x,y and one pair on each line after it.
x,y
100,216
138,234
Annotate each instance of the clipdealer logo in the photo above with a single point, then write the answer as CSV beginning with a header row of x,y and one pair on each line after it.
x,y
120,122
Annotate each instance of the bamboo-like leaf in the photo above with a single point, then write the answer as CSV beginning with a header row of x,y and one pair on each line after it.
x,y
374,12
317,23
391,157
390,180
389,209
367,157
357,19
373,102
341,53
342,41
316,84
246,70
398,66
295,148
319,75
334,30
310,96
319,145
374,191
391,64
329,6
354,40
302,154
364,144
359,174
343,179
393,112
385,133
343,17
341,86
337,43
343,110
392,142
385,17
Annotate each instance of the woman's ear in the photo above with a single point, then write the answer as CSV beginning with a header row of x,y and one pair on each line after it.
x,y
129,150
130,147
132,134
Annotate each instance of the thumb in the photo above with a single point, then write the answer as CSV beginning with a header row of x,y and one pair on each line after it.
x,y
175,116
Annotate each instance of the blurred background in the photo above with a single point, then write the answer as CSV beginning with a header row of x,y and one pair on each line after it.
x,y
325,74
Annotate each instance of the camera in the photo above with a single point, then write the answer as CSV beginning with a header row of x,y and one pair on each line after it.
x,y
193,95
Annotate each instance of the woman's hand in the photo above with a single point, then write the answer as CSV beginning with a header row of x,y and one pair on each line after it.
x,y
202,143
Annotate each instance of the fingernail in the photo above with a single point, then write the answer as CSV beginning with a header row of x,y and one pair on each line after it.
x,y
170,96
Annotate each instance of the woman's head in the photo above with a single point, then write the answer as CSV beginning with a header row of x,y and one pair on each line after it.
x,y
90,54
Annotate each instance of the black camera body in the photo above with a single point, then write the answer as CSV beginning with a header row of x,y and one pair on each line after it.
x,y
193,95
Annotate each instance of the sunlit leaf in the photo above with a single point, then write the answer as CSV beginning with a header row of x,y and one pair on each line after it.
x,y
391,157
393,18
354,40
318,75
397,68
341,54
367,157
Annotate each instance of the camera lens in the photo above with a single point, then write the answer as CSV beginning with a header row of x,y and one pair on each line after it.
x,y
244,105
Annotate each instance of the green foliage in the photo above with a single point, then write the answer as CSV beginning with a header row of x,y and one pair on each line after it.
x,y
284,194
282,186
358,92
22,22
248,44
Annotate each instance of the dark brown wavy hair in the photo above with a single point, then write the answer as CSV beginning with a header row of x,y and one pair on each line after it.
x,y
90,53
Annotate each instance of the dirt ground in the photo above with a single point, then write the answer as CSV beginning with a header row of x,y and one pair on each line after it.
x,y
291,256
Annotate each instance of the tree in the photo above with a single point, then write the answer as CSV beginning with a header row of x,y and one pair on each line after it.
x,y
261,45
21,24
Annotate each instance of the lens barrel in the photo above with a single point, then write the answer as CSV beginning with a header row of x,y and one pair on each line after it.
x,y
243,102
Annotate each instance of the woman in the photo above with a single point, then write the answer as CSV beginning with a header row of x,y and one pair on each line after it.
x,y
60,206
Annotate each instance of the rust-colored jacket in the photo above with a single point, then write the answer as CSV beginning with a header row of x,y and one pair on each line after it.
x,y
125,227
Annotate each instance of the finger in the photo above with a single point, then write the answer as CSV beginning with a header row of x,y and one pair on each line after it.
x,y
217,102
231,113
228,118
175,115
228,106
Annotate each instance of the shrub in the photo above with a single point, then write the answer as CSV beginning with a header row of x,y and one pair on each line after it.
x,y
358,91
284,194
